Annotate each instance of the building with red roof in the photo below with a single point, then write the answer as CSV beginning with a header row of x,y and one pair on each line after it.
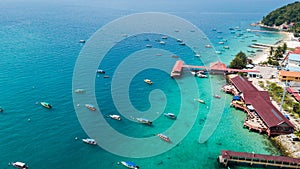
x,y
177,69
272,118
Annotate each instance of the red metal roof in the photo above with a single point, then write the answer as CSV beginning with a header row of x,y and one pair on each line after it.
x,y
178,66
261,102
291,90
242,84
228,154
296,50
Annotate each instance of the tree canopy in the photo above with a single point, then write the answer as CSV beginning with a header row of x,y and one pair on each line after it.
x,y
239,62
285,15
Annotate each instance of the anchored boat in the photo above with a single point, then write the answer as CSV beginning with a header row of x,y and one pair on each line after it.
x,y
90,107
164,137
129,164
89,141
20,165
144,121
170,115
47,105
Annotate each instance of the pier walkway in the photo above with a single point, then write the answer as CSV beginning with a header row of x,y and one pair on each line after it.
x,y
230,157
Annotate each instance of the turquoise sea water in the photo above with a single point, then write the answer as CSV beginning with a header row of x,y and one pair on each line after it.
x,y
39,48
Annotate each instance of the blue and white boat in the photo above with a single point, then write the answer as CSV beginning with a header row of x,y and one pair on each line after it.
x,y
170,115
129,164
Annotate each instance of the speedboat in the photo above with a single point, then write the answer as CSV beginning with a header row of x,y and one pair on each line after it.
x,y
129,164
81,41
47,105
164,137
114,116
89,141
1,109
200,101
162,42
170,115
200,75
79,91
164,37
148,81
100,71
20,165
149,46
208,46
144,121
182,43
179,40
90,107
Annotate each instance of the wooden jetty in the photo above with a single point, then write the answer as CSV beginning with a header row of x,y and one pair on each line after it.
x,y
235,158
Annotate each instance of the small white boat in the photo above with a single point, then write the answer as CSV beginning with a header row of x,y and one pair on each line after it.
x,y
144,121
81,41
197,55
115,117
148,81
218,52
20,165
162,42
182,43
129,164
149,46
89,141
200,101
164,37
221,42
164,137
79,91
90,107
208,46
100,71
47,105
179,40
200,75
170,115
226,47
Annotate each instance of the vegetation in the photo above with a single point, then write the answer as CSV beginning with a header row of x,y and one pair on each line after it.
x,y
276,93
276,55
239,62
289,15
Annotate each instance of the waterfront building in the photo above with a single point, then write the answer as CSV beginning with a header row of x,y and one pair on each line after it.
x,y
289,76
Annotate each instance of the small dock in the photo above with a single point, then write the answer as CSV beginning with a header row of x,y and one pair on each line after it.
x,y
235,158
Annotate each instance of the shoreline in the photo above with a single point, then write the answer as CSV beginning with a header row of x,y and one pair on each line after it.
x,y
263,56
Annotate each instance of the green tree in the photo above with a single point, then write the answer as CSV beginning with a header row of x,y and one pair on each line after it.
x,y
239,62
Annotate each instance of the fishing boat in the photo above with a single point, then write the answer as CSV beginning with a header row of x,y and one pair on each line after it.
x,y
208,46
20,165
148,81
164,37
149,46
100,71
226,47
47,105
170,115
179,40
89,141
200,101
90,107
144,121
115,117
129,164
217,96
164,137
182,43
81,41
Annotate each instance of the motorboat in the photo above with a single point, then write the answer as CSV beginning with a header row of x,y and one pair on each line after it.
x,y
100,71
170,115
90,107
1,109
149,46
89,141
148,81
217,96
200,101
200,75
129,164
114,116
208,46
20,165
47,105
164,37
79,91
226,47
197,55
144,121
162,42
164,137
81,41
182,43
179,40
221,42
105,76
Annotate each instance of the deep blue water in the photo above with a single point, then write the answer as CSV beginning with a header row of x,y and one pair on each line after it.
x,y
38,51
